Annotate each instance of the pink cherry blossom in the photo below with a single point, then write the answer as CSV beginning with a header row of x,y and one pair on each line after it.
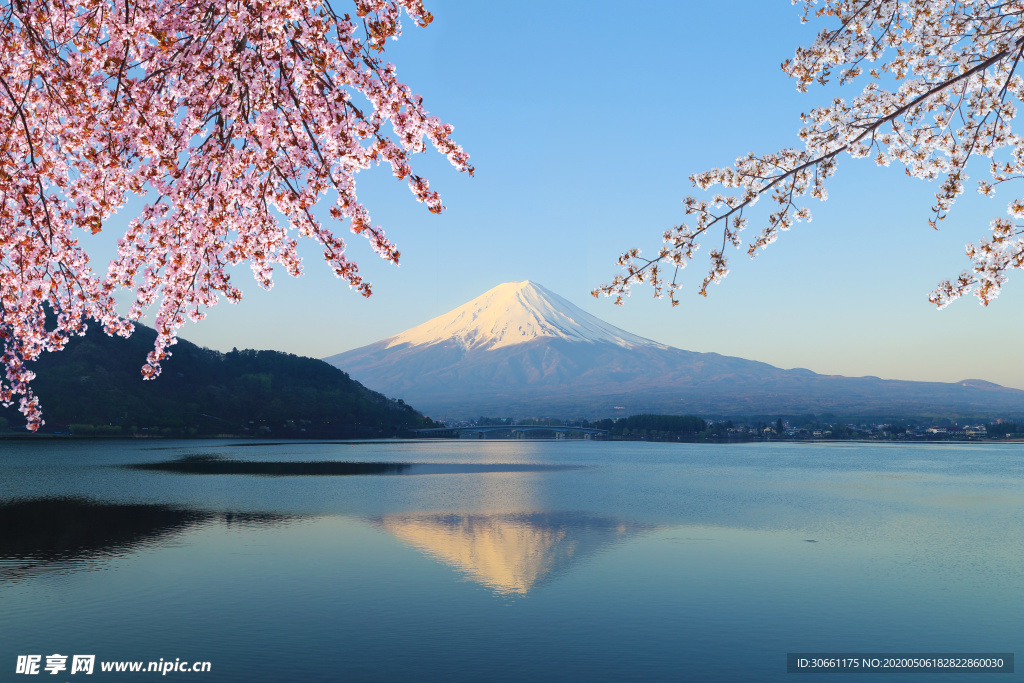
x,y
234,119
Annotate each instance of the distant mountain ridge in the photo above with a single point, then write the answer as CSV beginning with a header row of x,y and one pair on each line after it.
x,y
522,350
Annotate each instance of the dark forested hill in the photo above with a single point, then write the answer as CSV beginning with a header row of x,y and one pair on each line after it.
x,y
94,387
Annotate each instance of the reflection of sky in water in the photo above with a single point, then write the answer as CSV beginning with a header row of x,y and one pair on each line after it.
x,y
647,561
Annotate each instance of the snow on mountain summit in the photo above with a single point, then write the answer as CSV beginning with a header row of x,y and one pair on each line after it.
x,y
515,313
520,349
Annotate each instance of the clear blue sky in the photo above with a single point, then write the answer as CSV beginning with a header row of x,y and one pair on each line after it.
x,y
584,120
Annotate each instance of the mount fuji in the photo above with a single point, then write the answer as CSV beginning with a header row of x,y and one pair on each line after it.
x,y
522,350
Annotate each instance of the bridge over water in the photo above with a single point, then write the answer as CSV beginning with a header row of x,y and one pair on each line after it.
x,y
517,431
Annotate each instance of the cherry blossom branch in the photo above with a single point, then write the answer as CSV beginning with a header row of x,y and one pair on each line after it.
x,y
947,45
223,112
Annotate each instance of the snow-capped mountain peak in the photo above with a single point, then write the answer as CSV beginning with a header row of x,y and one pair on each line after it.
x,y
520,349
516,313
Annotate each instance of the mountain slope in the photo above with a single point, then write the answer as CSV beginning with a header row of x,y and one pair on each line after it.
x,y
520,349
516,313
95,381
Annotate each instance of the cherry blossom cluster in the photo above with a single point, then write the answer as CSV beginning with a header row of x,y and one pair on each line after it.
x,y
952,68
232,119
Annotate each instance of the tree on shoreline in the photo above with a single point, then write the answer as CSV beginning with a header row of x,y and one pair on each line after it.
x,y
955,63
234,118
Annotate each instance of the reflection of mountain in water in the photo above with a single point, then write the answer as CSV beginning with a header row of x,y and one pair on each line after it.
x,y
51,534
509,553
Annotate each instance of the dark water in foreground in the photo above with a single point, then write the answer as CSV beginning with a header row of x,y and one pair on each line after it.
x,y
518,560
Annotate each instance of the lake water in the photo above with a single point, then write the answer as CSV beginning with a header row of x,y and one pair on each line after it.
x,y
506,560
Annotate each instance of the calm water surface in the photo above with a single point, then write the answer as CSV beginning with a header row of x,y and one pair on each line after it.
x,y
506,560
